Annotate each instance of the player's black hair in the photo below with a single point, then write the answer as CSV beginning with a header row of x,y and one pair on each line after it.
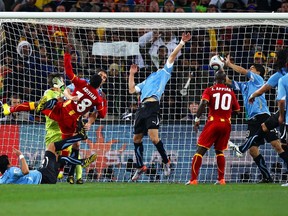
x,y
282,59
260,69
95,81
4,162
100,70
220,76
51,76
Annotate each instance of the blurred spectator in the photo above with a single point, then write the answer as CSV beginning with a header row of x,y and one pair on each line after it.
x,y
116,91
2,5
109,6
230,6
182,4
192,110
55,3
251,6
279,45
59,42
202,6
30,34
271,60
168,7
179,10
43,66
17,116
259,58
27,6
81,6
95,7
259,5
5,69
160,60
275,4
139,8
47,8
124,8
61,8
193,6
105,9
9,4
154,7
212,9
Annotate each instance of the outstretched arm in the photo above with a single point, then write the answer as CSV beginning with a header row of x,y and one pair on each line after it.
x,y
67,63
236,68
184,39
133,71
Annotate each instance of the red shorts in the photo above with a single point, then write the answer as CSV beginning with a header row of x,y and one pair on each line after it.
x,y
217,133
67,120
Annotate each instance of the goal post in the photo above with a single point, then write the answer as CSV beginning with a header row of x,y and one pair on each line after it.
x,y
32,46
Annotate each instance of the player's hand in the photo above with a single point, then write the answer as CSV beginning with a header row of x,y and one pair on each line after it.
x,y
227,60
186,36
74,98
133,69
196,124
17,152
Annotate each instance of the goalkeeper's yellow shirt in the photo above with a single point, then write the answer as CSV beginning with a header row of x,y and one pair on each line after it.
x,y
53,133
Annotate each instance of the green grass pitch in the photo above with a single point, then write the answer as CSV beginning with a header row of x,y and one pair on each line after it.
x,y
143,199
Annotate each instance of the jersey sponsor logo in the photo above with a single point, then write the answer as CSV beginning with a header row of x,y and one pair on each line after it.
x,y
157,122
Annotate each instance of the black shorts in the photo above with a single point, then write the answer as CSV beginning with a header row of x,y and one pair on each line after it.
x,y
147,117
253,126
273,123
49,168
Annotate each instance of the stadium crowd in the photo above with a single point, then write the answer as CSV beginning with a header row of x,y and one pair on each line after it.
x,y
178,6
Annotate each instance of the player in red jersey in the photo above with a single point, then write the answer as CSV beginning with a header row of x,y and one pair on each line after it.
x,y
221,101
68,112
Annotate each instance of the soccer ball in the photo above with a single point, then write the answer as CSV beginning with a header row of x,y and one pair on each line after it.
x,y
216,62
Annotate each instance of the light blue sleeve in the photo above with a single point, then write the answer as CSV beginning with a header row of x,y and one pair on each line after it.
x,y
236,85
71,87
168,67
140,86
281,94
255,78
273,80
3,178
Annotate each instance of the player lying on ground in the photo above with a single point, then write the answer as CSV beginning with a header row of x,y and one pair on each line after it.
x,y
47,173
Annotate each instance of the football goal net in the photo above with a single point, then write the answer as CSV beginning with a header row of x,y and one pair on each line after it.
x,y
32,47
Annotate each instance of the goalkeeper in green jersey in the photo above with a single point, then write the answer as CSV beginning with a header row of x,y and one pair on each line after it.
x,y
53,133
